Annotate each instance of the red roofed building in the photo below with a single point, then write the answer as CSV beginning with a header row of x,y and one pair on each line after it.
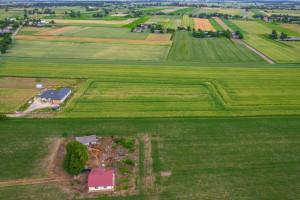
x,y
101,180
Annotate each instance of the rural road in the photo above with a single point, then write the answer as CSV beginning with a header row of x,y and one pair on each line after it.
x,y
16,32
37,104
254,50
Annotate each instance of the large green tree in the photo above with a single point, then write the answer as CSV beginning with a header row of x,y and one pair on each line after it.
x,y
75,158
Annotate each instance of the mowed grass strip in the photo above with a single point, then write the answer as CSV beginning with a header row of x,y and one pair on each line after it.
x,y
189,49
273,49
232,26
215,24
113,51
203,24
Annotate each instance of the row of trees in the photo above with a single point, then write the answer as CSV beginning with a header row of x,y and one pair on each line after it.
x,y
74,14
227,34
5,42
98,15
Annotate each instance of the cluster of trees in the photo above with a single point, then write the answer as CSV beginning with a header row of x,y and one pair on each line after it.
x,y
4,43
160,28
75,158
284,18
203,34
74,14
274,35
205,15
98,15
179,28
36,11
91,9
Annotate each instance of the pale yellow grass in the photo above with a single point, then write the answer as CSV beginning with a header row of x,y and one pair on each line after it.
x,y
294,27
119,15
159,37
95,21
203,24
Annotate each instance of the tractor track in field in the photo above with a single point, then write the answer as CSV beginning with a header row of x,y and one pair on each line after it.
x,y
32,181
91,39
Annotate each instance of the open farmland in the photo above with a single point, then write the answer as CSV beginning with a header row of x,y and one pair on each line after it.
x,y
265,161
101,32
216,25
229,11
10,14
232,26
252,27
279,28
34,30
276,51
188,21
173,22
204,10
292,27
203,24
159,37
187,48
87,50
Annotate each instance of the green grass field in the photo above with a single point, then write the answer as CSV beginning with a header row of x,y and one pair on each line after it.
x,y
187,48
274,50
228,158
204,10
215,24
184,10
232,26
173,22
12,13
87,50
136,22
278,28
188,21
252,27
102,32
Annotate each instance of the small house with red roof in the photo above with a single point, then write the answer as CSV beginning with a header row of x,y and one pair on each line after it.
x,y
100,179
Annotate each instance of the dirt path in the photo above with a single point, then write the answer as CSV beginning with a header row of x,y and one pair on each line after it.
x,y
56,30
91,39
37,104
224,26
31,181
254,50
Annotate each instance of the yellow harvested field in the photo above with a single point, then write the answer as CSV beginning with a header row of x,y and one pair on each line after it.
x,y
203,24
56,30
293,27
159,37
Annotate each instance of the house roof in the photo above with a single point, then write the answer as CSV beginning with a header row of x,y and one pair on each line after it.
x,y
87,139
55,94
99,177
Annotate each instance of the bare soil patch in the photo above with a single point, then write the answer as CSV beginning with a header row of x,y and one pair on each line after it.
x,y
224,26
92,39
119,15
167,173
56,30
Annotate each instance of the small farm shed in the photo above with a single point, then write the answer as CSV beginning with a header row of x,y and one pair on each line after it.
x,y
101,180
39,86
56,96
87,140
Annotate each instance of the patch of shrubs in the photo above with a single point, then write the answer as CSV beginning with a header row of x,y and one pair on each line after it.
x,y
3,117
128,161
127,143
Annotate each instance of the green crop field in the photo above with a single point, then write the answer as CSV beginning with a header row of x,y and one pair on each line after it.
x,y
173,22
232,158
187,48
215,24
11,13
204,10
279,28
252,27
102,32
188,21
184,10
87,50
229,11
274,50
136,22
232,26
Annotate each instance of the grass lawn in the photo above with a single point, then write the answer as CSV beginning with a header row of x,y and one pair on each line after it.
x,y
228,158
102,32
70,50
137,22
273,49
292,27
187,48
